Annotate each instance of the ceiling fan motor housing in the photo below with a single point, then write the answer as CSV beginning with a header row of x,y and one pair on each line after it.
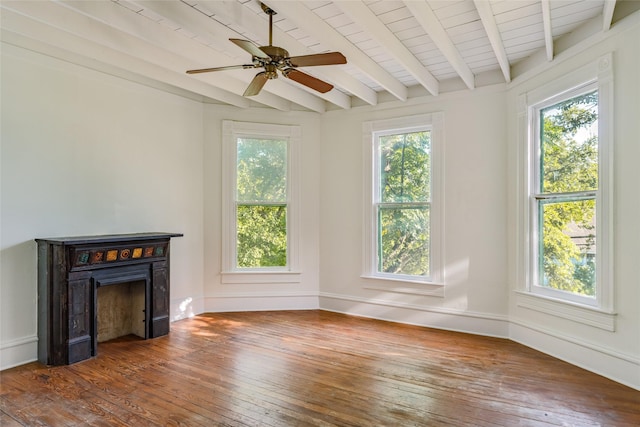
x,y
276,53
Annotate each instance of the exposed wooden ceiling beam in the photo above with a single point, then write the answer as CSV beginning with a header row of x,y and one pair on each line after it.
x,y
319,29
491,28
431,24
548,35
607,13
360,13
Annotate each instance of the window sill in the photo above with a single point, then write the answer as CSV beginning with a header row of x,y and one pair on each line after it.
x,y
400,286
567,310
253,277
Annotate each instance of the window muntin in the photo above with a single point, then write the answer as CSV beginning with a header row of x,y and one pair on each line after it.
x,y
565,196
402,203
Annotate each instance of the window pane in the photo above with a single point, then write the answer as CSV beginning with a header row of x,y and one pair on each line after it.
x,y
568,249
569,145
405,174
262,170
262,236
403,240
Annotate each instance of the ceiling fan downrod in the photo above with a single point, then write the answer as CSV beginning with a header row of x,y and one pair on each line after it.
x,y
269,12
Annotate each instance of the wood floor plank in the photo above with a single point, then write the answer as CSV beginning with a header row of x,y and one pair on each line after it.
x,y
312,368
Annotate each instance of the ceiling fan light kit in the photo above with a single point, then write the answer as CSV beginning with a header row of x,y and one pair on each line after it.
x,y
274,58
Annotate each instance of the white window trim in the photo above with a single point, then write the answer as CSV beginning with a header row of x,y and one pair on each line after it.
x,y
398,283
231,130
599,72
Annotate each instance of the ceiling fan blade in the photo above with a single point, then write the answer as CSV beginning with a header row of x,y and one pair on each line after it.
x,y
256,84
251,48
330,58
307,80
230,67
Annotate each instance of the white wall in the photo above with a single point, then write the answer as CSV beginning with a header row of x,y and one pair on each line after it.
x,y
615,354
221,296
475,146
86,153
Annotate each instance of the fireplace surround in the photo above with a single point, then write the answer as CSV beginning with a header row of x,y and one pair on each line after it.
x,y
70,272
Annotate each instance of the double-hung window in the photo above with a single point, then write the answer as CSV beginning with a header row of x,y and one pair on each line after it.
x,y
569,187
259,201
403,221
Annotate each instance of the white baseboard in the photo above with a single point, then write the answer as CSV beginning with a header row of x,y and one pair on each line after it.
x,y
18,352
616,366
225,302
433,317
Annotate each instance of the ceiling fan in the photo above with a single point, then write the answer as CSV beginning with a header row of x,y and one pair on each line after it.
x,y
274,58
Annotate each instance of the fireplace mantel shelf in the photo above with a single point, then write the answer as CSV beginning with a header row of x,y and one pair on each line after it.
x,y
107,238
70,271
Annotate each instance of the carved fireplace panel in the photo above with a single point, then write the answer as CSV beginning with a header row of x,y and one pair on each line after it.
x,y
72,270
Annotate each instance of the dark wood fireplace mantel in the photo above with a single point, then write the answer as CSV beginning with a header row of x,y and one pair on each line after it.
x,y
71,269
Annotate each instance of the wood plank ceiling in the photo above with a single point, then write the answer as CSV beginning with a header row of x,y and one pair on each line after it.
x,y
395,49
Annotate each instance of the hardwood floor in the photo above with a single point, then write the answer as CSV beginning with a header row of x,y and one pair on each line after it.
x,y
312,368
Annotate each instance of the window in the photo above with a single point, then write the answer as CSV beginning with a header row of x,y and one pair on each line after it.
x,y
260,201
564,197
403,208
569,185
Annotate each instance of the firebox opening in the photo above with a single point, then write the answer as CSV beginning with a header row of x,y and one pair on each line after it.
x,y
120,310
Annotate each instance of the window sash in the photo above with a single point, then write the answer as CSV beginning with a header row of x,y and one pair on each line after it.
x,y
418,251
271,229
573,266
